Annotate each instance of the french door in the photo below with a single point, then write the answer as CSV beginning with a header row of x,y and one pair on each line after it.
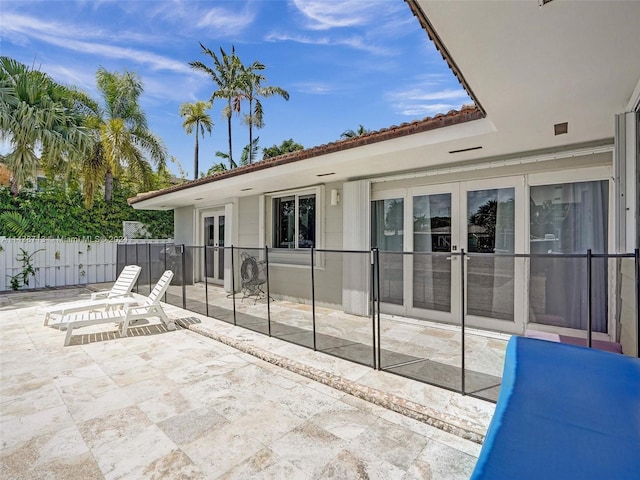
x,y
421,232
213,223
434,267
491,233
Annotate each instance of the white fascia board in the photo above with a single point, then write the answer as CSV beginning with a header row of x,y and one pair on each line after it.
x,y
634,101
232,186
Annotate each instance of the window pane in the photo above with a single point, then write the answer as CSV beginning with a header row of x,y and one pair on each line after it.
x,y
221,244
209,241
491,220
490,227
568,218
306,221
432,233
387,233
284,226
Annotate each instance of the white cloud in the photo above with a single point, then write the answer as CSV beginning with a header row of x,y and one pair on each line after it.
x,y
355,42
31,27
427,99
225,20
66,37
315,88
427,110
416,94
323,14
176,88
190,17
79,77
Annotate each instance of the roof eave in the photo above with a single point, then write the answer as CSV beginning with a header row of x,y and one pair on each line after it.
x,y
454,117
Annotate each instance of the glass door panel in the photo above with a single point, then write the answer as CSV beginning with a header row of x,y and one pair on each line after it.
x,y
220,241
491,230
431,238
387,234
209,243
214,225
568,218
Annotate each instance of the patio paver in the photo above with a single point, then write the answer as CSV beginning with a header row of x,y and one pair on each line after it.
x,y
182,404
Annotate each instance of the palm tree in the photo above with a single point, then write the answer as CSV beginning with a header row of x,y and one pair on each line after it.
x,y
225,75
122,136
355,133
252,89
217,168
38,114
195,116
249,151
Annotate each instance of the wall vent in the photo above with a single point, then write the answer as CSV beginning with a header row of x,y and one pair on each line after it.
x,y
561,128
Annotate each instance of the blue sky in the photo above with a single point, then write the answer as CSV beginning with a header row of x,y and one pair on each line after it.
x,y
344,63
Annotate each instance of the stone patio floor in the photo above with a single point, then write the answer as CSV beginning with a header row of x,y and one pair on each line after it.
x,y
213,401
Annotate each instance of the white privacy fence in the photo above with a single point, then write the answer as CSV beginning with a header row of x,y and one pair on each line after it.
x,y
58,262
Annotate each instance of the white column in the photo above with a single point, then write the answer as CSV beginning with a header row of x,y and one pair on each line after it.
x,y
627,179
356,214
230,238
627,230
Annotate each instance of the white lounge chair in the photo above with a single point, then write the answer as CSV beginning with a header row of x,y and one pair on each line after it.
x,y
121,289
149,308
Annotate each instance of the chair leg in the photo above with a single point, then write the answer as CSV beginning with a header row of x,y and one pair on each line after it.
x,y
46,318
125,326
67,338
170,324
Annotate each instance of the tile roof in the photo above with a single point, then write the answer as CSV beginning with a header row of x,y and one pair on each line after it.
x,y
446,56
453,117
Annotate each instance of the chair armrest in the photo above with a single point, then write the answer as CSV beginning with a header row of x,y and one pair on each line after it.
x,y
125,301
97,295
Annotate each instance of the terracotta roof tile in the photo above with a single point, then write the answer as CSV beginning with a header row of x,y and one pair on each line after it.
x,y
453,117
446,56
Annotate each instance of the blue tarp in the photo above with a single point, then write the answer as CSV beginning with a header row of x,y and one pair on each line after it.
x,y
564,412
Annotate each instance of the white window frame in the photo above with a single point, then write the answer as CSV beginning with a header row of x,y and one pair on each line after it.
x,y
288,255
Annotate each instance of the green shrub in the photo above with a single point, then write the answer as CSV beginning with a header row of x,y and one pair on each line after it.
x,y
56,213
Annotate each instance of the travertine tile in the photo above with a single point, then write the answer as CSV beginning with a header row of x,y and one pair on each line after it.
x,y
179,405
308,447
349,465
389,442
438,461
190,426
265,465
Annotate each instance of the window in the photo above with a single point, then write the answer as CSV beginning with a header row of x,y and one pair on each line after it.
x,y
294,221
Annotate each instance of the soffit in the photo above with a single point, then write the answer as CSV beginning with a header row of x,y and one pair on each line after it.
x,y
531,67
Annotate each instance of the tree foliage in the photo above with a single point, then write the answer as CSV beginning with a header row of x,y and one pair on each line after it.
x,y
39,116
226,75
196,118
351,133
236,82
252,90
121,136
286,146
57,212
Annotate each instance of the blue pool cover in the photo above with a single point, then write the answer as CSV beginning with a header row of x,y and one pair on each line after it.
x,y
564,412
